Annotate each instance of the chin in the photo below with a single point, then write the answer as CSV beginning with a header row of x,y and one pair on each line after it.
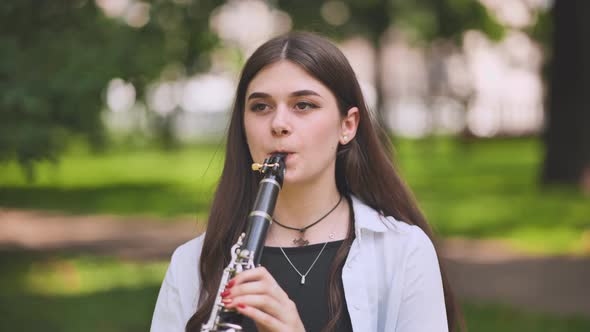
x,y
292,178
298,179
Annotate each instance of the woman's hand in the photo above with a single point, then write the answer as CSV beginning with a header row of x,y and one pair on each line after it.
x,y
256,294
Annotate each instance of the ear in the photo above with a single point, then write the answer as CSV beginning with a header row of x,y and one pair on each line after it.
x,y
349,125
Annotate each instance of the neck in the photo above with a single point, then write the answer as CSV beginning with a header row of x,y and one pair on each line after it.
x,y
300,206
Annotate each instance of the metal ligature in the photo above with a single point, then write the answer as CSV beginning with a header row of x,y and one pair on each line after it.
x,y
247,251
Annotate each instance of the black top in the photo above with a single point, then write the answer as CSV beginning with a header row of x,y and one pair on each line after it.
x,y
311,298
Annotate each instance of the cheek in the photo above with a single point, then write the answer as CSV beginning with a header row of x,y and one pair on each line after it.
x,y
254,137
250,125
324,134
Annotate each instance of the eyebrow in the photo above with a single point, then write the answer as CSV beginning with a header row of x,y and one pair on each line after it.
x,y
299,93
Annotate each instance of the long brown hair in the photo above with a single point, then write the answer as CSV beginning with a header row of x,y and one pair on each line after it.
x,y
363,168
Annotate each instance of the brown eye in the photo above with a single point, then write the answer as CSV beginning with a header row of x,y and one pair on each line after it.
x,y
305,106
258,107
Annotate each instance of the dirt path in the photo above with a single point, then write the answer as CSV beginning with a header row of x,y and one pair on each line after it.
x,y
479,270
130,238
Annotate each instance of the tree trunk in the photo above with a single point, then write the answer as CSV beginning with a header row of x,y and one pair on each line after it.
x,y
567,134
380,20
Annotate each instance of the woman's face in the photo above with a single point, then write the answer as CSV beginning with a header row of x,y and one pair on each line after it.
x,y
288,110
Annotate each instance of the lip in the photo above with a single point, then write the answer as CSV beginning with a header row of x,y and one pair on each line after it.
x,y
288,153
281,151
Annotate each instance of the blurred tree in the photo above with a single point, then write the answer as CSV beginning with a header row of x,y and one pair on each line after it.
x,y
425,20
58,56
567,135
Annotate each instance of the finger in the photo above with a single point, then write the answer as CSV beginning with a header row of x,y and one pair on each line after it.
x,y
255,288
259,273
256,281
261,302
261,318
252,287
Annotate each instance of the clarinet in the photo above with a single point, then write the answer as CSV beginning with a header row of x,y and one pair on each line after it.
x,y
247,251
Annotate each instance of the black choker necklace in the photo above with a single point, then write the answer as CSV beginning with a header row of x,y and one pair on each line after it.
x,y
301,241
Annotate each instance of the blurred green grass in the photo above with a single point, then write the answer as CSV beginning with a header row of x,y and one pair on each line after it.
x,y
475,189
67,292
144,181
494,318
491,189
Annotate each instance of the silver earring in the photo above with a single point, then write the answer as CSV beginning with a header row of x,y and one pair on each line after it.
x,y
345,138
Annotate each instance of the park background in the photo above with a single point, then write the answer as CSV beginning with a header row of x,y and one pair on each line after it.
x,y
112,123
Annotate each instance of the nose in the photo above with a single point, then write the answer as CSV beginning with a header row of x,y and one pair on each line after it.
x,y
280,125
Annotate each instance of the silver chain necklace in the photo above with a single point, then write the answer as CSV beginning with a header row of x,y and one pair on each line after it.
x,y
308,270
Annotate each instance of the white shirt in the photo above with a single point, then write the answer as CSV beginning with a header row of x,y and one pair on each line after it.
x,y
391,279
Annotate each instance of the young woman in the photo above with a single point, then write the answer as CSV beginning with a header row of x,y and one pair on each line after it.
x,y
348,250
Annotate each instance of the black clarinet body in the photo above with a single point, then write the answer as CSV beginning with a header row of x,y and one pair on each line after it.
x,y
247,251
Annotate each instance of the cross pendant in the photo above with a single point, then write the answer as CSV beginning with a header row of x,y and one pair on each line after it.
x,y
300,242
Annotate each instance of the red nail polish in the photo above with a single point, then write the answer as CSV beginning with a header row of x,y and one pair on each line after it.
x,y
241,305
230,284
225,293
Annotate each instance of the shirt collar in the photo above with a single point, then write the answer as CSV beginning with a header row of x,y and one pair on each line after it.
x,y
365,217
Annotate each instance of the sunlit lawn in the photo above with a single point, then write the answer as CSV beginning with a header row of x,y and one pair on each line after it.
x,y
62,293
481,189
478,189
141,182
490,189
67,292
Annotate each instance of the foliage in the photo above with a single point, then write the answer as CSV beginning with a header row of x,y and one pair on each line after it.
x,y
58,56
426,20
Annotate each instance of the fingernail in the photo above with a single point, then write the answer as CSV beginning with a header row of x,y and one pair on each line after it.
x,y
230,284
225,293
241,306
